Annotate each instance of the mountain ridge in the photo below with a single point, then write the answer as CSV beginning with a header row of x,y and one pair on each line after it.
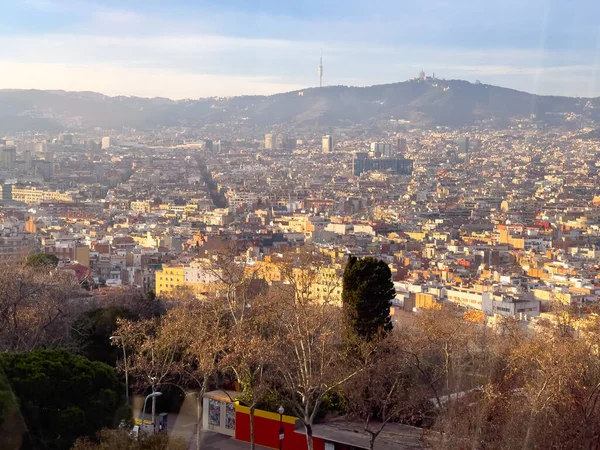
x,y
426,102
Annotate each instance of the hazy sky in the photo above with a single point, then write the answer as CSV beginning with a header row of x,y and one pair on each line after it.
x,y
195,48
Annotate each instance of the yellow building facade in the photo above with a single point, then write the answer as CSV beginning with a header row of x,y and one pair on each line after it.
x,y
169,280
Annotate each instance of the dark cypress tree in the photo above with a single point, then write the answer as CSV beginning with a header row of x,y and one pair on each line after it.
x,y
367,295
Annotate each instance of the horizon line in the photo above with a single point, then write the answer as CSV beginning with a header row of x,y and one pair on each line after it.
x,y
414,79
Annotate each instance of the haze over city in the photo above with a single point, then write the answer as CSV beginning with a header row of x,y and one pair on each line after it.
x,y
190,49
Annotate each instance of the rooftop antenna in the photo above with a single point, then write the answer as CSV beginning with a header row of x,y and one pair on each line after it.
x,y
321,72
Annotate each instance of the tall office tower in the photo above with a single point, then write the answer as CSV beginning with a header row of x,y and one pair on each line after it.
x,y
290,143
387,150
280,142
41,147
269,142
463,147
374,152
9,156
7,191
208,145
327,144
381,149
107,142
44,168
401,145
27,159
222,146
66,139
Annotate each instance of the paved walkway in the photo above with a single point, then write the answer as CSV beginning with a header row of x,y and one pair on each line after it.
x,y
184,426
213,441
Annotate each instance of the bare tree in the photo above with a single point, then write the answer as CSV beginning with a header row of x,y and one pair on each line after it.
x,y
531,382
152,353
311,357
251,353
234,279
197,329
385,390
37,306
311,276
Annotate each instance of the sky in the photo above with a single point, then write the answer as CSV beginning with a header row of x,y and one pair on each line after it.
x,y
197,48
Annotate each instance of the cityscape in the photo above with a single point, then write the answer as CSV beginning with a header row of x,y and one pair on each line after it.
x,y
312,226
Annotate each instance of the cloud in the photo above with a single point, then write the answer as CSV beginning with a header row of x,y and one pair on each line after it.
x,y
209,64
117,18
239,51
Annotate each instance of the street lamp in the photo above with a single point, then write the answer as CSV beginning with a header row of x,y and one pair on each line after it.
x,y
143,413
114,338
280,411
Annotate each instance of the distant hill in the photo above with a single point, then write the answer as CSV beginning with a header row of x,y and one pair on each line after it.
x,y
429,102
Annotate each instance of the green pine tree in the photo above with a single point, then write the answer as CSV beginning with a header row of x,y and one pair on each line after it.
x,y
367,295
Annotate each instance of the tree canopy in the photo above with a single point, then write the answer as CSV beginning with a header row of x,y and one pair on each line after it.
x,y
42,260
61,396
93,329
367,294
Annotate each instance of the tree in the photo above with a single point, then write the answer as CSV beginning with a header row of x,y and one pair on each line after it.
x,y
37,307
122,440
250,353
446,353
42,261
310,357
383,391
152,353
537,391
93,329
196,330
234,278
62,396
367,296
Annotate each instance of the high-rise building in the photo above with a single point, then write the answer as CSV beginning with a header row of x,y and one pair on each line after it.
x,y
281,142
108,142
7,192
327,144
27,159
222,146
381,149
463,147
9,156
45,169
269,142
401,145
291,143
400,166
66,139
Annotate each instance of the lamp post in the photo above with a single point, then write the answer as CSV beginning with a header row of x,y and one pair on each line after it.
x,y
143,412
114,338
280,411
